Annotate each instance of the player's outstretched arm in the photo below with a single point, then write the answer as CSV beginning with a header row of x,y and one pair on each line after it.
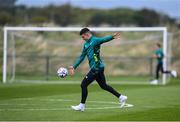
x,y
107,38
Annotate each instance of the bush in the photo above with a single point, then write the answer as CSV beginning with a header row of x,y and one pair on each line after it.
x,y
5,18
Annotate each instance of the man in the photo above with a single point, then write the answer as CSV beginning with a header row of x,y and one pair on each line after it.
x,y
159,56
91,49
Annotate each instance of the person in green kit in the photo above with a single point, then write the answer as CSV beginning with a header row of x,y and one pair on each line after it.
x,y
91,49
159,55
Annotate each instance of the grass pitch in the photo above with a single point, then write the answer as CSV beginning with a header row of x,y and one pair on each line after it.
x,y
48,102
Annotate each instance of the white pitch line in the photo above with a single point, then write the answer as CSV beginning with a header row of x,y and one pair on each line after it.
x,y
60,109
65,100
126,106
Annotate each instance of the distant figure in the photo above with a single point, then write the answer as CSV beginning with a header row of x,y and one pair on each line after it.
x,y
159,55
91,49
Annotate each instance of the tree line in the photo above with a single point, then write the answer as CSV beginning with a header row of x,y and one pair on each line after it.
x,y
64,15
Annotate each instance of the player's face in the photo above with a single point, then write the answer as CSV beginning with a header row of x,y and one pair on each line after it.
x,y
156,47
85,36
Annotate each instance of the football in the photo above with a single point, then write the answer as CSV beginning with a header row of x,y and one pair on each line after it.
x,y
62,72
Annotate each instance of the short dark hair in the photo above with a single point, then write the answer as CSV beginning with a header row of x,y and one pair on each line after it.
x,y
84,30
158,44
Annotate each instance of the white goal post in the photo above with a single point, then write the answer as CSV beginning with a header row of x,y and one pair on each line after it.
x,y
77,29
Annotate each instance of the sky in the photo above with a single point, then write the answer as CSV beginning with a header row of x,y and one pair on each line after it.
x,y
169,7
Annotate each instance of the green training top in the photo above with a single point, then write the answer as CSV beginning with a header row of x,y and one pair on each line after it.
x,y
91,49
160,55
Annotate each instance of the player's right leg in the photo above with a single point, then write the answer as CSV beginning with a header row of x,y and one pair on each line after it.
x,y
88,79
173,72
100,78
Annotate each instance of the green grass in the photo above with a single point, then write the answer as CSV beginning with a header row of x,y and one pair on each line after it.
x,y
78,77
44,102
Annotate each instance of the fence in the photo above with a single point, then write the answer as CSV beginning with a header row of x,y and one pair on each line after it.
x,y
46,66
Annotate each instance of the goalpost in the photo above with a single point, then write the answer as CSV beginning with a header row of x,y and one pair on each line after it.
x,y
7,30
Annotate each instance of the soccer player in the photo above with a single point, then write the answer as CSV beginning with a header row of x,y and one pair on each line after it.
x,y
159,56
91,49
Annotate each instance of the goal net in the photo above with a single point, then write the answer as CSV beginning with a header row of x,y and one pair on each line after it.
x,y
35,53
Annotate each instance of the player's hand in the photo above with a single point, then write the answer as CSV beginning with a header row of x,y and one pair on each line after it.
x,y
116,35
154,56
71,70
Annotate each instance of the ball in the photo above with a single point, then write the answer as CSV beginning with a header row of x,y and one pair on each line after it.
x,y
62,72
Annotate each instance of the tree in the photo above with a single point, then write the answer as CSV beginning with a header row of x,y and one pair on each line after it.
x,y
7,3
5,18
39,19
147,17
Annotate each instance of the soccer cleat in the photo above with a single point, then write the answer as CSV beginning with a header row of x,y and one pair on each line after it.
x,y
122,100
174,73
79,107
154,82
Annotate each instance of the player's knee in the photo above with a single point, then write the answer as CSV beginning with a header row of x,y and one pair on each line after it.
x,y
104,87
83,85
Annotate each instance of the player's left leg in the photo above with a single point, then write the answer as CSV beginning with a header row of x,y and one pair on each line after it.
x,y
88,79
155,81
100,78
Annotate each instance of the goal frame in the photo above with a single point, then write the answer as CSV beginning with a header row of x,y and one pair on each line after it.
x,y
77,29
